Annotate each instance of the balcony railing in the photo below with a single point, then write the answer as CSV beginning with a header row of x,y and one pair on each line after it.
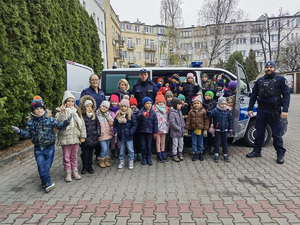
x,y
151,61
117,54
131,46
131,60
150,47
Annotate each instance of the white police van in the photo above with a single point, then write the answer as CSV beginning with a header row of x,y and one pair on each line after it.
x,y
243,125
77,79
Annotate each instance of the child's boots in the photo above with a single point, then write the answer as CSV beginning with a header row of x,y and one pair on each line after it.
x,y
159,157
106,161
101,162
76,174
68,177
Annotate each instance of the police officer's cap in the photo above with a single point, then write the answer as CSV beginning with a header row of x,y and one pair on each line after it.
x,y
143,71
270,63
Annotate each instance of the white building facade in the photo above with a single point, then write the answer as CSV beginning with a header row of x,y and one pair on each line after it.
x,y
95,8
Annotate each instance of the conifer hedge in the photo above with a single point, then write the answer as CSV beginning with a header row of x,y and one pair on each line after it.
x,y
36,36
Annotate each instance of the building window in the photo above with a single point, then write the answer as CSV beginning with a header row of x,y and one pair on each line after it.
x,y
186,34
240,41
123,40
103,47
84,5
151,30
274,37
255,40
147,55
163,56
197,33
243,53
102,26
288,23
257,28
275,23
128,26
161,31
94,17
146,29
122,26
146,42
138,42
98,23
137,28
139,55
227,29
241,28
152,44
124,55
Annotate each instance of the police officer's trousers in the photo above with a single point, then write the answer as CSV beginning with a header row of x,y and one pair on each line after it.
x,y
264,117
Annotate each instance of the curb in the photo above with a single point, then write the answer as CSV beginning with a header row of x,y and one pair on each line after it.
x,y
14,156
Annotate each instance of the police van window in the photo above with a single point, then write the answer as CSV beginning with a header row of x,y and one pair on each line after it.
x,y
243,81
112,81
165,73
132,79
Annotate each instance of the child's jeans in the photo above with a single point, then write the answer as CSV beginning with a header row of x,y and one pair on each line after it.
x,y
221,137
129,146
197,140
146,143
70,156
104,148
177,143
44,160
160,142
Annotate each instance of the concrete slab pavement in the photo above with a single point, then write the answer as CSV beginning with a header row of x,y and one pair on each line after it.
x,y
245,191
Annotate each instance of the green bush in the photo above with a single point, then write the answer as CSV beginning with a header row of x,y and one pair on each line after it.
x,y
35,39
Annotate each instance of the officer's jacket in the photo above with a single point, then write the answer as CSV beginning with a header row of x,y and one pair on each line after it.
x,y
144,89
98,97
281,96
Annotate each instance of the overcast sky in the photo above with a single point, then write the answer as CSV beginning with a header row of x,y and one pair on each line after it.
x,y
149,11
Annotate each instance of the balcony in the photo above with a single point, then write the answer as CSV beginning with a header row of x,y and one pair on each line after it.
x,y
151,62
131,60
117,54
150,48
131,46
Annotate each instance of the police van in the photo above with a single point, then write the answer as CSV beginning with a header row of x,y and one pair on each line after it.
x,y
243,125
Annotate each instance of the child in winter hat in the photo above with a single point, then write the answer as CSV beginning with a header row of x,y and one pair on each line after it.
x,y
222,121
106,122
125,126
72,136
232,85
40,127
87,104
176,86
161,111
159,82
147,127
113,110
168,97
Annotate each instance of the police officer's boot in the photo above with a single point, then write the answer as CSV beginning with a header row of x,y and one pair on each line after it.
x,y
253,154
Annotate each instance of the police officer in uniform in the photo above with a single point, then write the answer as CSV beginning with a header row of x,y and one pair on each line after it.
x,y
144,87
271,92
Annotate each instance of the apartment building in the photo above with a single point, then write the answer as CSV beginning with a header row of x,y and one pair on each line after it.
x,y
96,9
140,44
196,43
113,36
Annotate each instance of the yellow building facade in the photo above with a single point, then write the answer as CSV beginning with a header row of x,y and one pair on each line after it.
x,y
140,44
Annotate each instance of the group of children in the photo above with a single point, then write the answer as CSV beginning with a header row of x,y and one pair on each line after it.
x,y
119,125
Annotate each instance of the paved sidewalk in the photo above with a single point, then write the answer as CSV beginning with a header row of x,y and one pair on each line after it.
x,y
245,191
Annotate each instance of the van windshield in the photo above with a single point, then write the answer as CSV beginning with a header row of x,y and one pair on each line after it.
x,y
110,80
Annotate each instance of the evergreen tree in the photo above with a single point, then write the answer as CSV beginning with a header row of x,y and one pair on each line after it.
x,y
35,39
251,66
233,58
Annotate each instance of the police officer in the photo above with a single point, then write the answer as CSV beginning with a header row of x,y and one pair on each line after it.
x,y
94,90
271,92
144,87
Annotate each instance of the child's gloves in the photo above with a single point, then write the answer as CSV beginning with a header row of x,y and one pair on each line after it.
x,y
69,118
205,133
230,132
154,136
16,129
146,114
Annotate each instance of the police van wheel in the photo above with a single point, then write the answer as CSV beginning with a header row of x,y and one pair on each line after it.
x,y
249,136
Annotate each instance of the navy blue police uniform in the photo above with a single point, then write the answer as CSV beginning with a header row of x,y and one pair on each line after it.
x,y
273,96
144,89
